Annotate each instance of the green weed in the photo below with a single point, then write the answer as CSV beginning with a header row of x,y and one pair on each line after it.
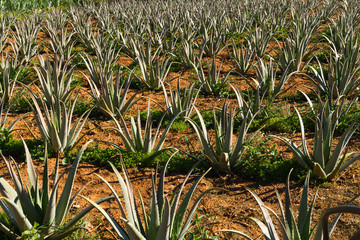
x,y
15,148
263,162
98,156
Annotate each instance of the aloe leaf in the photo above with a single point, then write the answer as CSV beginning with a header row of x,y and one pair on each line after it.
x,y
160,190
306,231
125,135
118,229
289,217
345,138
229,132
298,154
186,225
24,199
295,234
179,214
76,129
204,141
319,143
164,134
128,194
132,231
303,222
22,221
7,190
319,171
115,195
264,229
54,137
349,162
63,205
303,140
270,228
50,213
45,187
155,211
30,166
239,145
8,232
164,228
282,211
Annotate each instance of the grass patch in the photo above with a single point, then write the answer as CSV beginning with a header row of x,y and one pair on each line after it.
x,y
180,125
15,147
287,124
263,162
98,156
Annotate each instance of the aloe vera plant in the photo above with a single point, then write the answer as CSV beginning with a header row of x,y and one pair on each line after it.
x,y
341,29
213,42
190,57
100,68
154,69
104,17
55,78
291,227
296,47
211,83
180,103
265,83
7,86
165,37
259,40
125,39
55,123
164,220
142,141
29,205
323,161
25,36
82,25
242,58
225,156
342,77
8,82
111,98
61,39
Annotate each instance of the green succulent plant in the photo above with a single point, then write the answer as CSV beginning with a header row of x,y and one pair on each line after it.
x,y
33,206
164,220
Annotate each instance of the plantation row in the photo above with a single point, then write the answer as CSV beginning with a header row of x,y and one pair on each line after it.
x,y
247,54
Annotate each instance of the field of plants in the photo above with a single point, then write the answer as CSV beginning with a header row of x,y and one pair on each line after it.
x,y
180,119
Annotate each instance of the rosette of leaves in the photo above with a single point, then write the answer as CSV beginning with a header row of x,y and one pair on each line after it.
x,y
297,227
180,101
110,95
211,83
323,161
36,207
139,140
225,156
164,220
